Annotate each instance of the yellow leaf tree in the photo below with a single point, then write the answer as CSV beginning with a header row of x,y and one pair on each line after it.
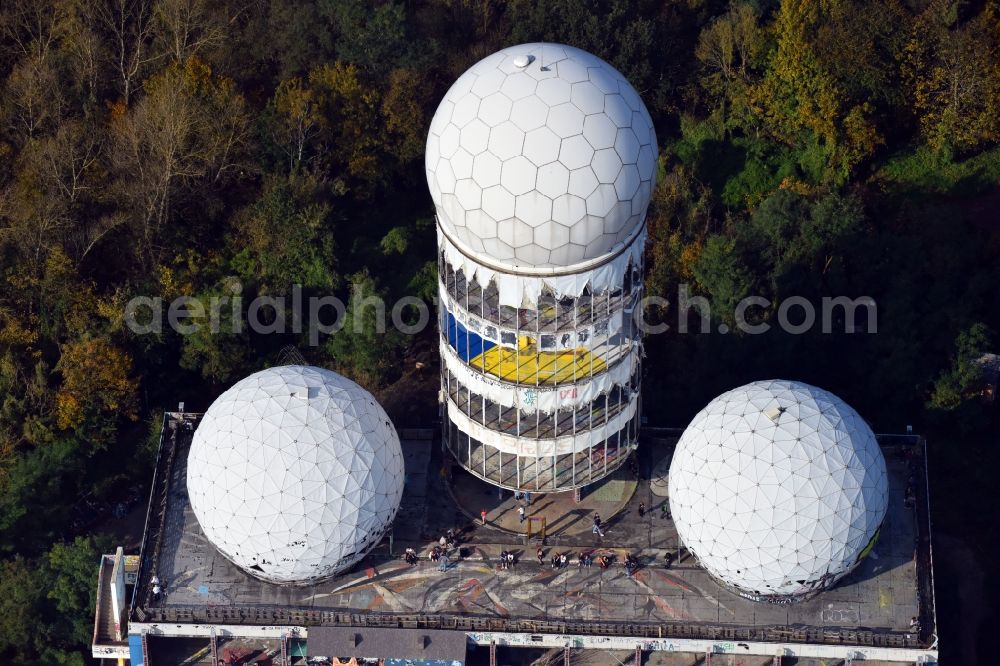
x,y
96,382
804,92
953,77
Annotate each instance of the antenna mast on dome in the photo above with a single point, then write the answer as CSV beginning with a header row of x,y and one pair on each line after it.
x,y
290,355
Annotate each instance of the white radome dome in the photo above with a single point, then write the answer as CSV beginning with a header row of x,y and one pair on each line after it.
x,y
295,473
778,488
541,156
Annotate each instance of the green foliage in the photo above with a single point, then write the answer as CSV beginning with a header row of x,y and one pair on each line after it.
x,y
22,596
396,241
424,283
217,347
73,585
367,346
373,38
722,273
964,378
923,169
47,604
286,237
765,166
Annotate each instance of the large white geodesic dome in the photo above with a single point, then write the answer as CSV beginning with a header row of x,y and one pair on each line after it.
x,y
778,488
295,473
541,156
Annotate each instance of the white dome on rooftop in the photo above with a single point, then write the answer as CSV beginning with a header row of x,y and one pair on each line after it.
x,y
541,156
778,488
295,473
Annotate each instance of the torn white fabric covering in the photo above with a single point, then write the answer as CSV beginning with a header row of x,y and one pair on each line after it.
x,y
519,291
540,447
590,336
541,398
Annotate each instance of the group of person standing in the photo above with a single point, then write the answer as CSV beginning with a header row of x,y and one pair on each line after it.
x,y
439,554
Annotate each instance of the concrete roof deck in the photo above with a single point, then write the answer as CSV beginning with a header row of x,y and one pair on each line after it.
x,y
873,605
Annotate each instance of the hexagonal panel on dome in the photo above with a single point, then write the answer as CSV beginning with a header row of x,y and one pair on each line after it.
x,y
778,488
564,124
295,473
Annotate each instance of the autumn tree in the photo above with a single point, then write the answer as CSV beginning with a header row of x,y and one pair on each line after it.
x,y
679,219
331,120
300,120
405,106
189,132
188,28
36,98
85,54
729,48
129,29
803,97
952,70
96,383
51,203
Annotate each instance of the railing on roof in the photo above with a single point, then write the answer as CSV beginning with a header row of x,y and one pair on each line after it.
x,y
101,592
159,490
276,615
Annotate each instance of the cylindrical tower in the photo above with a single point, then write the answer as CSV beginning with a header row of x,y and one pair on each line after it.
x,y
541,161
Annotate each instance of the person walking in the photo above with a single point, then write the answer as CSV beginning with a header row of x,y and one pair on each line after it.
x,y
597,525
540,555
642,509
520,514
482,516
444,560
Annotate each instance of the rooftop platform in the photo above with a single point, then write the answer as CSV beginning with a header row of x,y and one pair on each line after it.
x,y
871,607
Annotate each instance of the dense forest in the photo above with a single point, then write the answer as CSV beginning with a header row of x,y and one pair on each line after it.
x,y
168,148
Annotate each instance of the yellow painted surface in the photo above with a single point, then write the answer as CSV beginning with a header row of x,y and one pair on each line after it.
x,y
529,365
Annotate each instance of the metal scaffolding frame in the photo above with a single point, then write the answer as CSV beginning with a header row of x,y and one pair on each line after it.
x,y
560,341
